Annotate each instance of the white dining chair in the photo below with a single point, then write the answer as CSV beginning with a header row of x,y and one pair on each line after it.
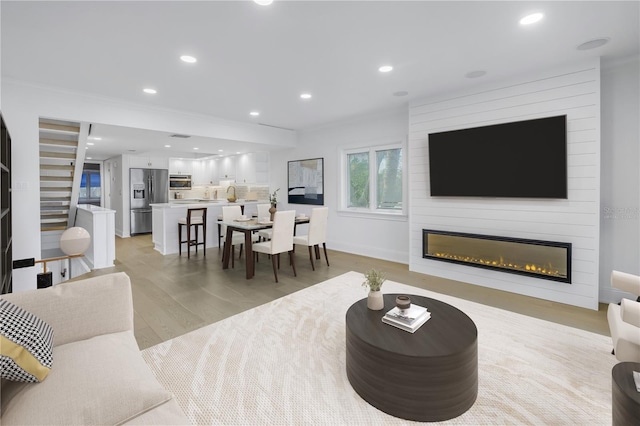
x,y
263,212
317,234
281,240
230,213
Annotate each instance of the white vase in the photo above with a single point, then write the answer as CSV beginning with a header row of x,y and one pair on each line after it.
x,y
375,302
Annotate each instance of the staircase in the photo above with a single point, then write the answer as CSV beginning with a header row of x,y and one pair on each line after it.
x,y
61,161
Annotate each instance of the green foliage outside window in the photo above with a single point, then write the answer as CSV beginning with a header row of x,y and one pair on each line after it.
x,y
358,180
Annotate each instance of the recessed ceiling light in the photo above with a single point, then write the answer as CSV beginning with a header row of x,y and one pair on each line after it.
x,y
150,91
385,68
196,148
400,93
305,96
531,19
238,152
188,59
254,113
167,146
219,150
89,158
86,147
592,44
475,74
90,143
95,138
263,2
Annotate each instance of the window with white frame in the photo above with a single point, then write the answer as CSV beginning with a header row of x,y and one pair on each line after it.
x,y
374,179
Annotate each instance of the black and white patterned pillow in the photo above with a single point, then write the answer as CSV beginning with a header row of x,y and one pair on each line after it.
x,y
26,345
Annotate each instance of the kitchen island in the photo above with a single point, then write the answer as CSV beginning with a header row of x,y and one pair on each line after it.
x,y
165,220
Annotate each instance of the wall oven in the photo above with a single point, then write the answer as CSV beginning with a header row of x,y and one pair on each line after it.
x,y
180,182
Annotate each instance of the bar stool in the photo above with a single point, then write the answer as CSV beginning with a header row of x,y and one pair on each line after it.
x,y
196,218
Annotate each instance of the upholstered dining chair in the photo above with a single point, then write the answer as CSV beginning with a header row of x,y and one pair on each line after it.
x,y
624,319
196,218
230,213
263,211
317,234
281,240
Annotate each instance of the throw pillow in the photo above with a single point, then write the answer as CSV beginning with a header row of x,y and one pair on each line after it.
x,y
26,345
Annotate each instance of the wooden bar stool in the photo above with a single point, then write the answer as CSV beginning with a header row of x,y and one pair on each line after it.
x,y
195,218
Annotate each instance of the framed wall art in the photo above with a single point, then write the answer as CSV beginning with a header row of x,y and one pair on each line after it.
x,y
306,181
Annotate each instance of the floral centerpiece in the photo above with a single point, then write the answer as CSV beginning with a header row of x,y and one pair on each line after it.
x,y
374,280
273,198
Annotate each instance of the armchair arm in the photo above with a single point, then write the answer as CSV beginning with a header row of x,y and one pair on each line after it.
x,y
81,309
630,312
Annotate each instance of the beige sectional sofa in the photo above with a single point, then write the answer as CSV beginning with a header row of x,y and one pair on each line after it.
x,y
98,375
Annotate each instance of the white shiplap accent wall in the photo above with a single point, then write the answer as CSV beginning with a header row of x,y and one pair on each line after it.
x,y
574,91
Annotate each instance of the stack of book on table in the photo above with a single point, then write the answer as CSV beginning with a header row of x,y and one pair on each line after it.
x,y
409,319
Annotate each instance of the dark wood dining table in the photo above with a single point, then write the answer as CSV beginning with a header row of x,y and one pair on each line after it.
x,y
247,227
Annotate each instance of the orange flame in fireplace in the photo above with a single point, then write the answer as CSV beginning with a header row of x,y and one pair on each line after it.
x,y
501,263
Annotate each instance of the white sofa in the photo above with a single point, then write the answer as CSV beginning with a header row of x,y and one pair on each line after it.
x,y
624,319
98,375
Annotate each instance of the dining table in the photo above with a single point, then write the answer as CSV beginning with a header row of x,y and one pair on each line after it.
x,y
248,227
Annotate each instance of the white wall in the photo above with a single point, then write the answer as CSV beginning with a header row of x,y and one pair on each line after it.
x,y
572,90
367,235
620,177
23,105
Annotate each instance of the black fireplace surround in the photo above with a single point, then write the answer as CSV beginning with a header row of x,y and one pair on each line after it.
x,y
549,260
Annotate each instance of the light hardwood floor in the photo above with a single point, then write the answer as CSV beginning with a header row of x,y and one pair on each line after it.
x,y
173,295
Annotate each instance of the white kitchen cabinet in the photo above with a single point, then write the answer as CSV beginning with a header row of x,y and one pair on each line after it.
x,y
210,171
198,173
178,166
145,162
245,168
252,168
227,168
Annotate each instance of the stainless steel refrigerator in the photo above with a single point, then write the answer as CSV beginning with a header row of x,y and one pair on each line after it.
x,y
148,186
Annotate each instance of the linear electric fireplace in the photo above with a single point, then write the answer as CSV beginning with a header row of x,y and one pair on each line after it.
x,y
548,260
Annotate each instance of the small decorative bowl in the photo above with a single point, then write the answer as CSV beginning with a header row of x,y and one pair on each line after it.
x,y
403,302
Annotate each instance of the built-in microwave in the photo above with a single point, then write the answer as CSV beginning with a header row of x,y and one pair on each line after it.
x,y
179,181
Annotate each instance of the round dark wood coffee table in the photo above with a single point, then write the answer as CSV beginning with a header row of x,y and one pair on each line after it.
x,y
430,375
625,399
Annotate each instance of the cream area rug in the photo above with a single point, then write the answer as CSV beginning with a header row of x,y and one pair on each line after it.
x,y
283,363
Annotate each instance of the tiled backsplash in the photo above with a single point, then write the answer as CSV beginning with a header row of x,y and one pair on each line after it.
x,y
261,191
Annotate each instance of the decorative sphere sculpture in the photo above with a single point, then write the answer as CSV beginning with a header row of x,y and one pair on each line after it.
x,y
75,240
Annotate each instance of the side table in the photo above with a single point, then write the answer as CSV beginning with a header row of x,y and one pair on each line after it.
x,y
625,399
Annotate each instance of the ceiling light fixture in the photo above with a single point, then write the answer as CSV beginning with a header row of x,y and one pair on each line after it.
x,y
196,148
263,2
305,96
89,158
385,68
592,44
150,91
188,59
254,113
219,150
531,19
90,143
95,138
167,146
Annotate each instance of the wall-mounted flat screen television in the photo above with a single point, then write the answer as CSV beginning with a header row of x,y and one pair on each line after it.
x,y
523,159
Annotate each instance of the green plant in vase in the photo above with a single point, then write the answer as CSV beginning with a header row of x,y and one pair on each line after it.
x,y
273,199
374,280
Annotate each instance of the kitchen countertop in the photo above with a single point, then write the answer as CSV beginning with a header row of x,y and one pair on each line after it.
x,y
200,202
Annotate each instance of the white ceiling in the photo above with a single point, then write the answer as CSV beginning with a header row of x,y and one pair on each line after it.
x,y
253,57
